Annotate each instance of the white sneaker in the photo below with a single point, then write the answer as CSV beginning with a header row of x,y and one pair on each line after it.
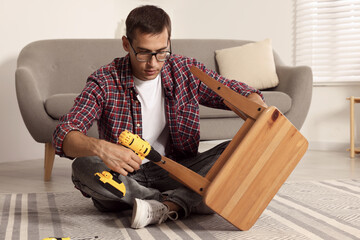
x,y
147,212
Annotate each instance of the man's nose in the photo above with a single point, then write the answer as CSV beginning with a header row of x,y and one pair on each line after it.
x,y
152,61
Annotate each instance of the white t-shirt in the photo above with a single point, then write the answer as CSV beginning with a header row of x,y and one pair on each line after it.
x,y
155,129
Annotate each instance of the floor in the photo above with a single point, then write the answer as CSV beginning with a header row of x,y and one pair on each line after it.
x,y
27,176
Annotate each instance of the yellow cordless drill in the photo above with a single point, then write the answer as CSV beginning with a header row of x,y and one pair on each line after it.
x,y
110,180
142,148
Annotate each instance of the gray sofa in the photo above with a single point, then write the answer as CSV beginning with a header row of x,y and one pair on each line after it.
x,y
51,73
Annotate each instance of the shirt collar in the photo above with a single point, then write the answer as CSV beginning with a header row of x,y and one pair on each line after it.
x,y
127,80
126,76
166,78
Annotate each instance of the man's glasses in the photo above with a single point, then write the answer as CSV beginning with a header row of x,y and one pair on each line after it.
x,y
161,56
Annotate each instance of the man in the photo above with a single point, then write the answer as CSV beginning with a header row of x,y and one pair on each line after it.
x,y
152,93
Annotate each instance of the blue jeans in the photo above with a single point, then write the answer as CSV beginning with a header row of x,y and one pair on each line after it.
x,y
149,182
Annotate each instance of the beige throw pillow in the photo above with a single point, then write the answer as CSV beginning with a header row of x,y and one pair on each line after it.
x,y
251,63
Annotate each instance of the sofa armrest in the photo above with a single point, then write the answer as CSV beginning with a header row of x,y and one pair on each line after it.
x,y
297,83
32,107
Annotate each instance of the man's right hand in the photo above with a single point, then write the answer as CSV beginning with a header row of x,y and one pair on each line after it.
x,y
118,158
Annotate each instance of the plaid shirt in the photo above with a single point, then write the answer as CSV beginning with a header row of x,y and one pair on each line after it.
x,y
109,97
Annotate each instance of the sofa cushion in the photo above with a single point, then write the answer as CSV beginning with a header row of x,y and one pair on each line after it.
x,y
252,63
59,104
272,98
278,99
207,112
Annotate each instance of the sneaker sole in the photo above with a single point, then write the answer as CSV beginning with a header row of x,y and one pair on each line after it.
x,y
135,219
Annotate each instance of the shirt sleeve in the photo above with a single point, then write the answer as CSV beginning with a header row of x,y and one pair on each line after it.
x,y
209,98
86,109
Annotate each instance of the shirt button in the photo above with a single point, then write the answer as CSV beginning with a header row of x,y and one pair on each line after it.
x,y
138,125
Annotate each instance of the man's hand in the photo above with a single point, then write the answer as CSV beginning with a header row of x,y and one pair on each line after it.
x,y
257,99
118,158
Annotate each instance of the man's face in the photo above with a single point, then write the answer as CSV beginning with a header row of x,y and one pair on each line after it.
x,y
149,43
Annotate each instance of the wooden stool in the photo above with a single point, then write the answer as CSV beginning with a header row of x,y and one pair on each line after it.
x,y
352,149
254,165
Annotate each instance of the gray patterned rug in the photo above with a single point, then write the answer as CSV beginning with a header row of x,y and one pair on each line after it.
x,y
301,210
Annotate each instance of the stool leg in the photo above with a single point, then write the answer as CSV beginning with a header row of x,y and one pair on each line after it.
x,y
352,128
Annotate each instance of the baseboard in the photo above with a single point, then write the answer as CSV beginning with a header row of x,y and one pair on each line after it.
x,y
329,146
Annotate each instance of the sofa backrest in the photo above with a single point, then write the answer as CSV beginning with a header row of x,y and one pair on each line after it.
x,y
63,65
204,49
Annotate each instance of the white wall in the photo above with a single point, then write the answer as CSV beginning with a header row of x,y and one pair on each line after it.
x,y
327,126
22,22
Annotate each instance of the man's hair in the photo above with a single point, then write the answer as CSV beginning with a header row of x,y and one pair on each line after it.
x,y
147,19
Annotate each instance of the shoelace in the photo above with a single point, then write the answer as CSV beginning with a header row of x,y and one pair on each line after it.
x,y
167,215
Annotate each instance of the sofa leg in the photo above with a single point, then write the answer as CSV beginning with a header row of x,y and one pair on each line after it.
x,y
49,161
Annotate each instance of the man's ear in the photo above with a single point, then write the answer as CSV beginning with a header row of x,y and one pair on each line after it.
x,y
126,44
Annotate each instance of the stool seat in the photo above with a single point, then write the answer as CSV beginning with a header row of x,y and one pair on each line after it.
x,y
254,165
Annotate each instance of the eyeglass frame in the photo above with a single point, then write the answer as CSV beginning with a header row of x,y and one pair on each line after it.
x,y
151,54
